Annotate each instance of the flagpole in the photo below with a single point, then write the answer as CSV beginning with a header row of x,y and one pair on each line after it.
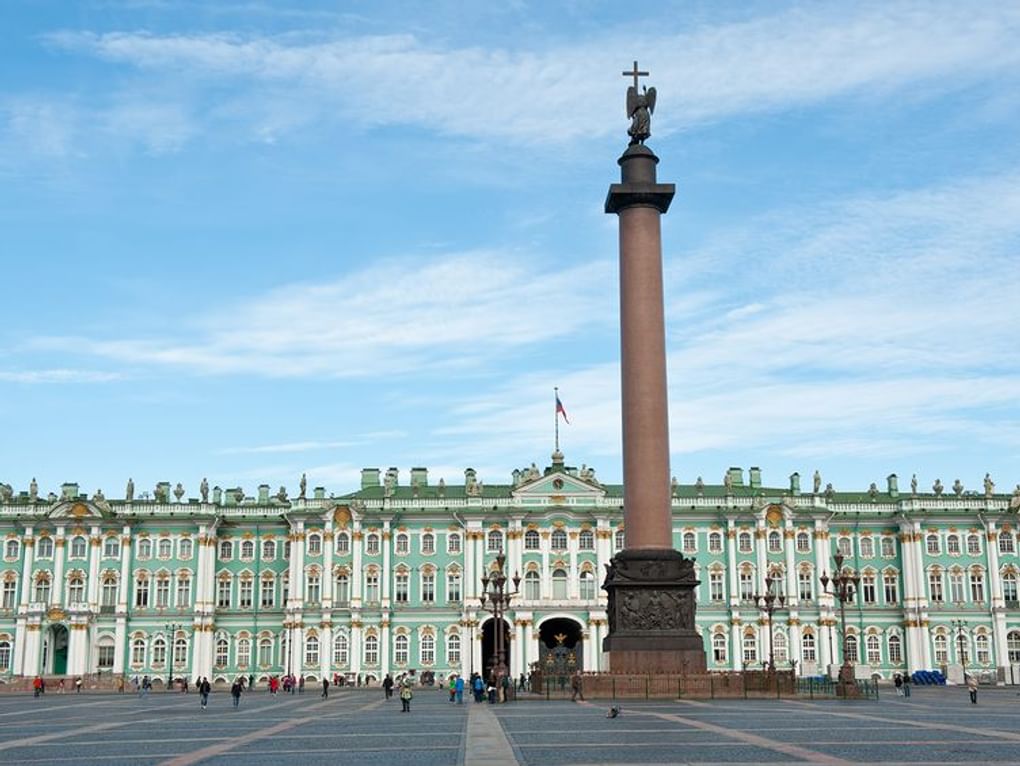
x,y
556,416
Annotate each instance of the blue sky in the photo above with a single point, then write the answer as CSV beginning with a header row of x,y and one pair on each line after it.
x,y
245,240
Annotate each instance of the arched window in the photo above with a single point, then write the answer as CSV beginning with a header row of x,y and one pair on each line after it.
x,y
183,591
343,588
268,550
184,549
166,548
1009,588
11,549
977,586
111,548
619,540
403,544
428,543
895,649
532,542
75,590
803,542
586,540
341,649
780,647
719,647
401,586
932,545
888,546
874,648
587,586
973,545
265,652
941,648
750,649
222,652
807,648
1013,646
145,548
401,654
247,550
312,650
313,588
343,543
158,651
42,589
775,542
715,542
495,543
851,649
453,586
953,545
427,647
226,550
559,584
372,587
5,656
453,542
44,548
558,540
109,596
180,652
372,544
844,546
137,651
744,542
314,545
371,650
867,547
982,650
532,586
142,591
79,548
453,650
689,542
1006,544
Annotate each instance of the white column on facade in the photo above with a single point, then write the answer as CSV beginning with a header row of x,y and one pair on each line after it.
x,y
737,640
596,645
297,651
998,603
789,546
325,651
385,648
357,574
574,578
921,594
825,601
515,554
76,648
119,644
329,544
297,565
18,660
519,661
603,549
760,558
468,563
387,575
356,648
476,650
93,583
731,563
28,552
59,555
795,642
546,572
120,638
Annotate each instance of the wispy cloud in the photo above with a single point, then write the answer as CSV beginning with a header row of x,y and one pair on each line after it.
x,y
564,93
310,446
58,376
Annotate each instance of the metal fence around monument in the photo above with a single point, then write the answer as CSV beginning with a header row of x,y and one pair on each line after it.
x,y
735,685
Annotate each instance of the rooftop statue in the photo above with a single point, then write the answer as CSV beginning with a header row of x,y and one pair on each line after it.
x,y
829,491
913,484
203,490
937,488
958,487
817,485
6,492
699,487
640,107
727,481
989,485
129,492
303,487
33,491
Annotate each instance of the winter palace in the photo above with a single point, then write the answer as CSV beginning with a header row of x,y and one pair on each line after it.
x,y
386,579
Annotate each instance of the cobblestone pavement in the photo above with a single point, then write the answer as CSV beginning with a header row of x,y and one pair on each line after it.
x,y
936,726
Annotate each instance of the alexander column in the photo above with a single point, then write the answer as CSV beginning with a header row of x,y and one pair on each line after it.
x,y
650,584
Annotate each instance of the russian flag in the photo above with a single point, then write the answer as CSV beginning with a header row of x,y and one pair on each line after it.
x,y
560,410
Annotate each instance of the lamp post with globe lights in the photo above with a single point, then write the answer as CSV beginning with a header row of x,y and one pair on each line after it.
x,y
495,599
844,589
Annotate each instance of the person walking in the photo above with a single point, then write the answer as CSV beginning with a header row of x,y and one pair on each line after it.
x,y
204,688
146,685
325,688
906,684
60,686
301,685
387,686
120,684
576,686
405,696
77,685
37,686
478,686
235,692
898,683
972,688
459,690
452,685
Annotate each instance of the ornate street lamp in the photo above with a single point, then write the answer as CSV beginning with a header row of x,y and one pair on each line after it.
x,y
961,650
768,602
171,631
844,588
495,599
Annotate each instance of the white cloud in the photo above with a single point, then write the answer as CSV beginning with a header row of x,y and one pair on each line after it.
x,y
58,376
308,446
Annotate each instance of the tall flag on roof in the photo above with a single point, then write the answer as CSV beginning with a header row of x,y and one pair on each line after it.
x,y
560,410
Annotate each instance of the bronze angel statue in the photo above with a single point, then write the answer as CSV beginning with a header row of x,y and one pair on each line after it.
x,y
640,107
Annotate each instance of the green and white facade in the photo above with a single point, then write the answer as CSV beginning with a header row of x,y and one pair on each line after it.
x,y
387,578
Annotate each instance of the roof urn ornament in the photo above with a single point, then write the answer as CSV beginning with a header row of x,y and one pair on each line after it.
x,y
913,485
441,488
33,491
958,487
989,485
281,494
674,487
239,495
830,493
873,491
937,488
129,492
203,490
699,487
816,482
179,491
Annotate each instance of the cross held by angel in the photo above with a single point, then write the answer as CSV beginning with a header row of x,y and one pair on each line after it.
x,y
640,107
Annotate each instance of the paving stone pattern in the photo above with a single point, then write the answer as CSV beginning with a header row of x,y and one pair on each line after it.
x,y
936,726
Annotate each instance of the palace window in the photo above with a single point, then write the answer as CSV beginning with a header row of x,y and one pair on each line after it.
x,y
285,589
11,550
775,540
1006,544
343,589
371,587
690,542
618,540
982,649
138,651
844,547
265,652
953,545
5,656
532,542
532,586
428,543
314,545
935,587
977,587
888,547
956,587
181,652
495,541
428,588
851,649
746,587
42,590
867,546
222,652
587,582
932,545
559,584
453,649
453,586
247,550
403,544
586,540
10,594
166,548
895,649
868,595
158,652
243,652
312,650
805,585
162,592
962,649
1013,646
105,653
973,545
807,647
941,649
453,542
76,590
558,540
142,592
779,647
372,544
226,550
341,649
803,542
245,593
1009,588
313,588
874,648
891,584
268,550
111,548
401,652
750,649
714,542
744,542
44,548
401,587
145,548
183,592
427,648
343,544
184,549
371,650
223,588
79,548
716,588
719,648
267,592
